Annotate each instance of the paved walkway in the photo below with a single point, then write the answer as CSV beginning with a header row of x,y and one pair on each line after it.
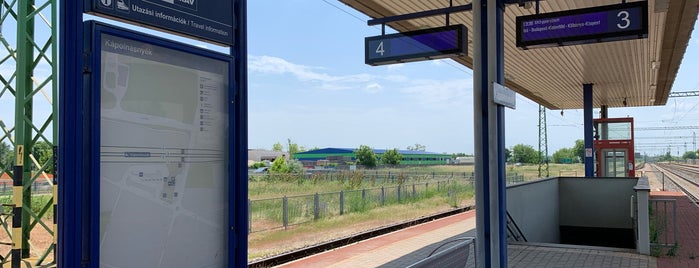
x,y
397,249
687,254
405,247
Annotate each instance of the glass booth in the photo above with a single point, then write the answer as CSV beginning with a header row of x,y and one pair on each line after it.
x,y
614,147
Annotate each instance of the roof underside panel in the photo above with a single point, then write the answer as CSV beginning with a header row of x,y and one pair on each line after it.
x,y
636,72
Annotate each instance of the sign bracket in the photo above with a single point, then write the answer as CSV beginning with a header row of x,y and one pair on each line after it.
x,y
451,4
437,12
421,14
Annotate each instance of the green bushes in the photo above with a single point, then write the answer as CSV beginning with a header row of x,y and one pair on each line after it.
x,y
39,203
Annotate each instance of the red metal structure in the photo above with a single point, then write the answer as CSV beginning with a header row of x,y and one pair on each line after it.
x,y
614,147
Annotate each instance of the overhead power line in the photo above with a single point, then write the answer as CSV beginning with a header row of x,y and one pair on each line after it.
x,y
664,138
666,128
663,143
684,94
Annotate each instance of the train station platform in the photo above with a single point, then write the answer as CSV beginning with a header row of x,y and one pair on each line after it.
x,y
405,247
410,245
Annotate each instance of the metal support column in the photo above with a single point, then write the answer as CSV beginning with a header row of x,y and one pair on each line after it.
x,y
29,55
604,112
17,234
24,108
238,233
588,129
489,134
73,244
543,144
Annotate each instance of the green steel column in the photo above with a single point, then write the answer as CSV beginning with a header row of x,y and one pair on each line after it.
x,y
543,144
54,117
24,107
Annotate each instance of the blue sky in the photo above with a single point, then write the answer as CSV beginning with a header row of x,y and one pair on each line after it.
x,y
309,83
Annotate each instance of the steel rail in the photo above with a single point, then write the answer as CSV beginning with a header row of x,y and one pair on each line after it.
x,y
679,178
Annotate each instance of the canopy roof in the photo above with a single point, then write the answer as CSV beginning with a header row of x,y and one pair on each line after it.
x,y
636,72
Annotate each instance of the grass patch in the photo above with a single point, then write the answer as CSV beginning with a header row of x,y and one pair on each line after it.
x,y
281,213
39,202
362,209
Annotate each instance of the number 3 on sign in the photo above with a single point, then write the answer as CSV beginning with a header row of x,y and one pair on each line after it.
x,y
624,16
380,50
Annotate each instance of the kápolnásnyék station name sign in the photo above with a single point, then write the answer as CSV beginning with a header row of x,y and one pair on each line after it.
x,y
201,19
583,26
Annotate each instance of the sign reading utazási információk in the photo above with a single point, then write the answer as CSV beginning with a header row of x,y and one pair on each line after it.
x,y
582,26
201,19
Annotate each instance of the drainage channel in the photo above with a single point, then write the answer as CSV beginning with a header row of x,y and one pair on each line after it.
x,y
312,250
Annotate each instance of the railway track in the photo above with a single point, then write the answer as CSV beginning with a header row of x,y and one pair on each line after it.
x,y
684,177
315,249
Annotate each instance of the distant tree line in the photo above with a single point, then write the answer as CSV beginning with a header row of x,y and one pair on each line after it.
x,y
576,154
367,158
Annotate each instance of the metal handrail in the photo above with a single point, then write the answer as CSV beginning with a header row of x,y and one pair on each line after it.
x,y
657,221
516,233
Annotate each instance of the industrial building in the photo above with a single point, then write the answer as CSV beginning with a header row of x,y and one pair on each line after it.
x,y
344,155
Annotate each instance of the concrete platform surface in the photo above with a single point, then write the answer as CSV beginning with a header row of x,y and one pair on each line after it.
x,y
687,252
405,247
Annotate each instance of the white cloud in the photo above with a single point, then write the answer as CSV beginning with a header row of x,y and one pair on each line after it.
x,y
427,92
442,93
373,88
274,65
394,67
396,78
437,62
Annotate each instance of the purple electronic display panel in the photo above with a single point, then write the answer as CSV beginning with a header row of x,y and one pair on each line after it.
x,y
582,26
418,45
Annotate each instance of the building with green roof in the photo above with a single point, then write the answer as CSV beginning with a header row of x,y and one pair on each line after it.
x,y
344,155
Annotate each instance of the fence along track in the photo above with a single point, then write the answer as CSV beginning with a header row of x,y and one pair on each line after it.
x,y
284,212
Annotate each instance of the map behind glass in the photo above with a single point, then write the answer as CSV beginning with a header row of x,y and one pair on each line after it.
x,y
163,131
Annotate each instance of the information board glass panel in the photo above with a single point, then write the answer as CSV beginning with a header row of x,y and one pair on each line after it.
x,y
163,172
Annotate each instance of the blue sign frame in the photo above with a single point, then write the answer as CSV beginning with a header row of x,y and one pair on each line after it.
x,y
75,245
427,44
202,19
583,26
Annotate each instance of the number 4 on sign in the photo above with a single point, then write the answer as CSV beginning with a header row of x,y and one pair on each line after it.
x,y
380,50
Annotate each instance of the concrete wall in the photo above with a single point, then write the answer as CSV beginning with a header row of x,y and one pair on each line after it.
x,y
596,202
534,207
